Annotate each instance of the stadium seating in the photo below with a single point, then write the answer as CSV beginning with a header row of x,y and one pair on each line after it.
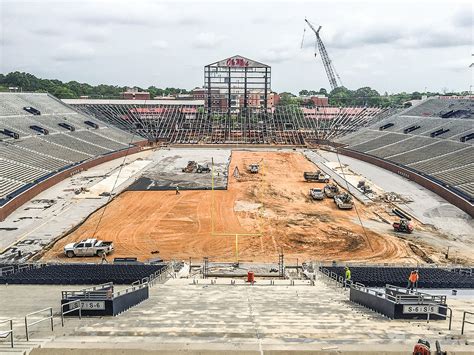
x,y
35,155
443,157
378,142
398,276
431,151
437,107
81,274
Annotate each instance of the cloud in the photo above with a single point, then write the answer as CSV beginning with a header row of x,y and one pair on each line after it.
x,y
456,64
443,39
419,37
95,34
160,44
206,40
463,18
46,32
73,51
277,55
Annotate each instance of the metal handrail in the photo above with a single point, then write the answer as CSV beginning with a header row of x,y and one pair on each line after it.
x,y
465,321
8,332
442,315
97,287
77,308
50,309
6,270
90,295
424,295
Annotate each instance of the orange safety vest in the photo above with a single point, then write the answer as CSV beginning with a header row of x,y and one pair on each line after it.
x,y
413,277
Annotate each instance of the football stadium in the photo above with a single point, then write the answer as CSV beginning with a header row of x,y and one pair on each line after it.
x,y
229,223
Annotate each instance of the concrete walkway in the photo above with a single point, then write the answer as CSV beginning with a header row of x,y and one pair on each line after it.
x,y
221,317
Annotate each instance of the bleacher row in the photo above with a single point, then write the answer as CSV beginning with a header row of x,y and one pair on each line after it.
x,y
437,107
35,155
398,276
443,157
12,104
81,274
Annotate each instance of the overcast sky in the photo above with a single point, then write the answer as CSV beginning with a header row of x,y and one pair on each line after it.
x,y
389,45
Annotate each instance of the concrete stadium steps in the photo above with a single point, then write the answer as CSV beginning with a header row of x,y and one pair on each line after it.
x,y
7,186
411,143
459,176
433,106
446,162
21,172
179,312
118,136
22,347
32,158
75,144
56,151
434,150
360,137
399,123
92,138
389,138
457,129
467,188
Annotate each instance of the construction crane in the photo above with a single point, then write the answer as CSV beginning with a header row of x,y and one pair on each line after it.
x,y
330,71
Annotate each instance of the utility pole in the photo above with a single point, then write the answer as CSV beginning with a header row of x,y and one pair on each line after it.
x,y
330,71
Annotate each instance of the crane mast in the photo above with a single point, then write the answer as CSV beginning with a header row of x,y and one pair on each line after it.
x,y
330,71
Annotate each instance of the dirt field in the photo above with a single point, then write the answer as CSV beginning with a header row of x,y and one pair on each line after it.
x,y
273,203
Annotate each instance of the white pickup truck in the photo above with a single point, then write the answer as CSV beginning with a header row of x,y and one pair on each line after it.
x,y
88,247
316,194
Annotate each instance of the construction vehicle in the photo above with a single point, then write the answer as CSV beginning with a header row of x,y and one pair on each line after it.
x,y
88,247
404,226
253,168
203,169
317,176
331,190
191,167
316,193
344,201
362,186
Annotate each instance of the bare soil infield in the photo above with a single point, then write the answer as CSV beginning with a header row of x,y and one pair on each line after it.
x,y
275,203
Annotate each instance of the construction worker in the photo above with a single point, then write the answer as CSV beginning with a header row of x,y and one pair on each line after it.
x,y
177,190
104,259
412,279
347,278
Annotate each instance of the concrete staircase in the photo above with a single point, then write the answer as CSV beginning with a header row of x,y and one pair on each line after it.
x,y
22,347
181,315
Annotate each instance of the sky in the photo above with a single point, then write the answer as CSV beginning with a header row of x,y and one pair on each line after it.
x,y
391,46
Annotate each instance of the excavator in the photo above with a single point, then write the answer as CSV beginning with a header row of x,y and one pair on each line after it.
x,y
403,226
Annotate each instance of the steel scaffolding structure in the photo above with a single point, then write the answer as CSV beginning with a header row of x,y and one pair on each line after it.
x,y
192,124
237,84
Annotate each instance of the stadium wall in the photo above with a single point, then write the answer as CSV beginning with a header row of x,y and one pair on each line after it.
x,y
438,189
26,196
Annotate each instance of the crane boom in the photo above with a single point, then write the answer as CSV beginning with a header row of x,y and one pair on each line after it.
x,y
330,71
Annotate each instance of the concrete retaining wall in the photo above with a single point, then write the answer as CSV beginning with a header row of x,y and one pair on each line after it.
x,y
26,196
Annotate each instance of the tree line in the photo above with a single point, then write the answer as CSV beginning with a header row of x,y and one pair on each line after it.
x,y
73,89
340,96
364,96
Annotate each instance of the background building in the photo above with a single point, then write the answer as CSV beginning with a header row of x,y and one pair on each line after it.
x,y
236,84
135,94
